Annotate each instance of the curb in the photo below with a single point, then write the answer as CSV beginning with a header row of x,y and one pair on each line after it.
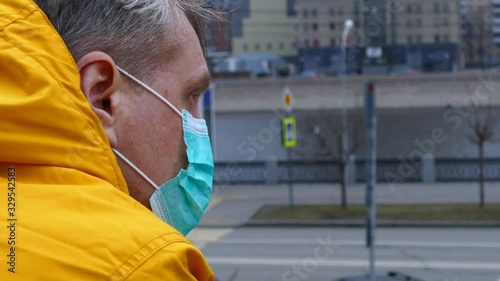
x,y
362,223
221,225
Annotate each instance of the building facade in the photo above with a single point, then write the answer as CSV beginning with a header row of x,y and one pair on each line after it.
x,y
403,35
219,35
378,22
478,38
320,23
265,27
496,28
428,22
292,28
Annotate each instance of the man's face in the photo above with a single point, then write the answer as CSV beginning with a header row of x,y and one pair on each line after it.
x,y
148,132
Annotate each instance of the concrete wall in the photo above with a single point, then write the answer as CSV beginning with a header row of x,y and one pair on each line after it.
x,y
417,91
245,136
248,137
410,109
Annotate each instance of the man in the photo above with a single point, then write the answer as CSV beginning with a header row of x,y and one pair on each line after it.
x,y
84,81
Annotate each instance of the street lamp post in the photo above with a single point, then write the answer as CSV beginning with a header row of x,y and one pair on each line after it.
x,y
348,24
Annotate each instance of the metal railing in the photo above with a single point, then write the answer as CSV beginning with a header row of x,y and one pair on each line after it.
x,y
446,170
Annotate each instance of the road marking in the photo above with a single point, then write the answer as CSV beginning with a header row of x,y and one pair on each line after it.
x,y
200,237
216,199
214,202
433,244
356,263
242,196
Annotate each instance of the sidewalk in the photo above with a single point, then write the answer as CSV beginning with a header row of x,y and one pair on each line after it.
x,y
233,206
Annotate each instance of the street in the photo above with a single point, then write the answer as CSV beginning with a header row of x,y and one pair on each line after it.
x,y
432,254
233,206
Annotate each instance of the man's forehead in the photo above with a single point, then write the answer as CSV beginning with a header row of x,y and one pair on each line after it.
x,y
182,27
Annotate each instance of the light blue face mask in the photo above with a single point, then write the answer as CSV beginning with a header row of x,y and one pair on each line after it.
x,y
182,200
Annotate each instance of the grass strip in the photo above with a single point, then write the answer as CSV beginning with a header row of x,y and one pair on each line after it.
x,y
454,212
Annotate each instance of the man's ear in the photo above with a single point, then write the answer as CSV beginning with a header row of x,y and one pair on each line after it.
x,y
100,81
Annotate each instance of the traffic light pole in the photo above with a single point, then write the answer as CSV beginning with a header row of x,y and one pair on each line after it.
x,y
348,24
290,182
289,139
289,178
371,125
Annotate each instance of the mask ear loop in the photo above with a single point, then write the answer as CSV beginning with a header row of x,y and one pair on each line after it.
x,y
135,168
150,90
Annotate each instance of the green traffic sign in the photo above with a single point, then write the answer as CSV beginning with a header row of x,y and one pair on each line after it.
x,y
289,129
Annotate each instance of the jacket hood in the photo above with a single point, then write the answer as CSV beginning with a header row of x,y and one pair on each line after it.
x,y
45,119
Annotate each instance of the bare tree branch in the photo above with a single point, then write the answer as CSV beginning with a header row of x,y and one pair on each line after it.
x,y
483,127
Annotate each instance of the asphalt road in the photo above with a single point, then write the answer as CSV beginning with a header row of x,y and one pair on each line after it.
x,y
234,205
432,254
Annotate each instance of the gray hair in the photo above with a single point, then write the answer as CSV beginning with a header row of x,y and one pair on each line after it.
x,y
135,33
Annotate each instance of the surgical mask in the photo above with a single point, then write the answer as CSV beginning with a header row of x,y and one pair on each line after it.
x,y
182,200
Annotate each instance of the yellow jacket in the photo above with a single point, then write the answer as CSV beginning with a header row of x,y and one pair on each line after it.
x,y
65,211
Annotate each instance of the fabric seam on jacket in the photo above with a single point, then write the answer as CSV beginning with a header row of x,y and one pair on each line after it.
x,y
141,256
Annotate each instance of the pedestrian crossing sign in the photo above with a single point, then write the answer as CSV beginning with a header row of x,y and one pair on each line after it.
x,y
289,129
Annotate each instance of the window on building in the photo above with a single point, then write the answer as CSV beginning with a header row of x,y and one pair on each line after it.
x,y
245,47
269,46
306,43
306,27
305,13
341,11
418,8
409,9
446,8
296,27
282,46
419,39
333,42
332,26
437,38
331,12
314,13
446,38
446,22
409,23
436,7
316,43
257,46
409,38
314,27
418,22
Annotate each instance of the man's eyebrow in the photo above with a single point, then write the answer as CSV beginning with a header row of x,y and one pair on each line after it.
x,y
204,82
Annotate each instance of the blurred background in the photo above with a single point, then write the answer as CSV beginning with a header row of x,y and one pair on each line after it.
x,y
294,140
